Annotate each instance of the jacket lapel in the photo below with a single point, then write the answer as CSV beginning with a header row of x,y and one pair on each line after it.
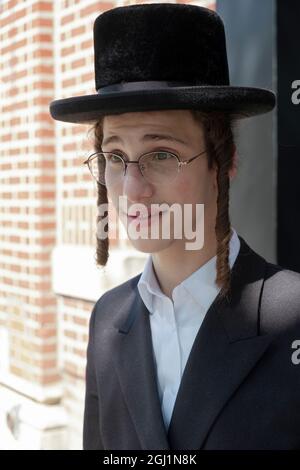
x,y
135,364
226,348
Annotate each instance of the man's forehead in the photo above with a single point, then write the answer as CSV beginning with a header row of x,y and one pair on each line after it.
x,y
148,138
146,132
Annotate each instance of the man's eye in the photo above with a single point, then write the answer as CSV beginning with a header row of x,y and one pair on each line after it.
x,y
113,157
161,155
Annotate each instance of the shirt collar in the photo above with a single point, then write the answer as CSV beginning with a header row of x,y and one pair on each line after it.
x,y
200,285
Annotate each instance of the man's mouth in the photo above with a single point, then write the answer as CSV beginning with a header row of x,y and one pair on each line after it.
x,y
140,216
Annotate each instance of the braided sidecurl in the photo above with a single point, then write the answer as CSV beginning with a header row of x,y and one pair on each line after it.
x,y
102,250
219,142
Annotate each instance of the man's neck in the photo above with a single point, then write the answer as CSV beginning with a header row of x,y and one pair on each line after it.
x,y
173,265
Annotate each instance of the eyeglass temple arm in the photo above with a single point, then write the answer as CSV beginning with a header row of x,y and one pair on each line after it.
x,y
90,158
185,162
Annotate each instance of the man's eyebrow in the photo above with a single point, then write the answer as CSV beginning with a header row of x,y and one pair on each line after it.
x,y
147,137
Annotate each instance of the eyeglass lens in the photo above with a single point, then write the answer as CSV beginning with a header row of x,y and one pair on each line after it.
x,y
156,167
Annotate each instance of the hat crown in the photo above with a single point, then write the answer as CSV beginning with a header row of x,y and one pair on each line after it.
x,y
160,42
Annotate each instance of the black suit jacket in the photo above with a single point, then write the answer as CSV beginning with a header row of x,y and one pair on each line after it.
x,y
240,388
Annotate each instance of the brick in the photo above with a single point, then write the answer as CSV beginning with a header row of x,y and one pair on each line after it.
x,y
42,6
96,7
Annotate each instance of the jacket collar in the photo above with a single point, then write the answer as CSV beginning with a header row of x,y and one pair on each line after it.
x,y
200,285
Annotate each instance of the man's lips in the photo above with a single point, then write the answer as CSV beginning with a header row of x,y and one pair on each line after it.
x,y
140,215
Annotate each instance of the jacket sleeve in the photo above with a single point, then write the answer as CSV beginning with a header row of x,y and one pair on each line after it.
x,y
92,439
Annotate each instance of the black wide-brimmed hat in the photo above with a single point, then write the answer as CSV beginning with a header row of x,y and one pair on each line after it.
x,y
161,56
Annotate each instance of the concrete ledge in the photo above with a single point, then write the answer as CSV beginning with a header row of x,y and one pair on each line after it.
x,y
48,394
75,273
27,425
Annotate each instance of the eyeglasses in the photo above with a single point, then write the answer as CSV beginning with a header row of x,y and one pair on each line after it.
x,y
159,167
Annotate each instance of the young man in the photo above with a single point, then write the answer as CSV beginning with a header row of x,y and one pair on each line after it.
x,y
200,350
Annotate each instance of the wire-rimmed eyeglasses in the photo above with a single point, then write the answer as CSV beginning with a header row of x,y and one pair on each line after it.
x,y
158,167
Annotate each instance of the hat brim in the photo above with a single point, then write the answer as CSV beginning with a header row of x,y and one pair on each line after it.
x,y
240,102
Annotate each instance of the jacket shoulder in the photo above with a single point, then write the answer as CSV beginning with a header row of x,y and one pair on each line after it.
x,y
282,283
280,302
115,299
121,290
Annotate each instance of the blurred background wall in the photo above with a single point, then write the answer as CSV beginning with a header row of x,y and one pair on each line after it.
x,y
251,53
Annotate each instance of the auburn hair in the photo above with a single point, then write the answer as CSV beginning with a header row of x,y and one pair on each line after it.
x,y
220,145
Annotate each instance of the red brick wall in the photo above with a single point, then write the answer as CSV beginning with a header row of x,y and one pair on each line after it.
x,y
27,190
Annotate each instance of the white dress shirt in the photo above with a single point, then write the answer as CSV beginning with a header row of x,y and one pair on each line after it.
x,y
174,325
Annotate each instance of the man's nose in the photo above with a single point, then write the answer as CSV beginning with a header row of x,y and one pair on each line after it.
x,y
134,183
132,169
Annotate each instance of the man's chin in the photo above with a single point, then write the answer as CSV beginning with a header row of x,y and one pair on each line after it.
x,y
150,246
